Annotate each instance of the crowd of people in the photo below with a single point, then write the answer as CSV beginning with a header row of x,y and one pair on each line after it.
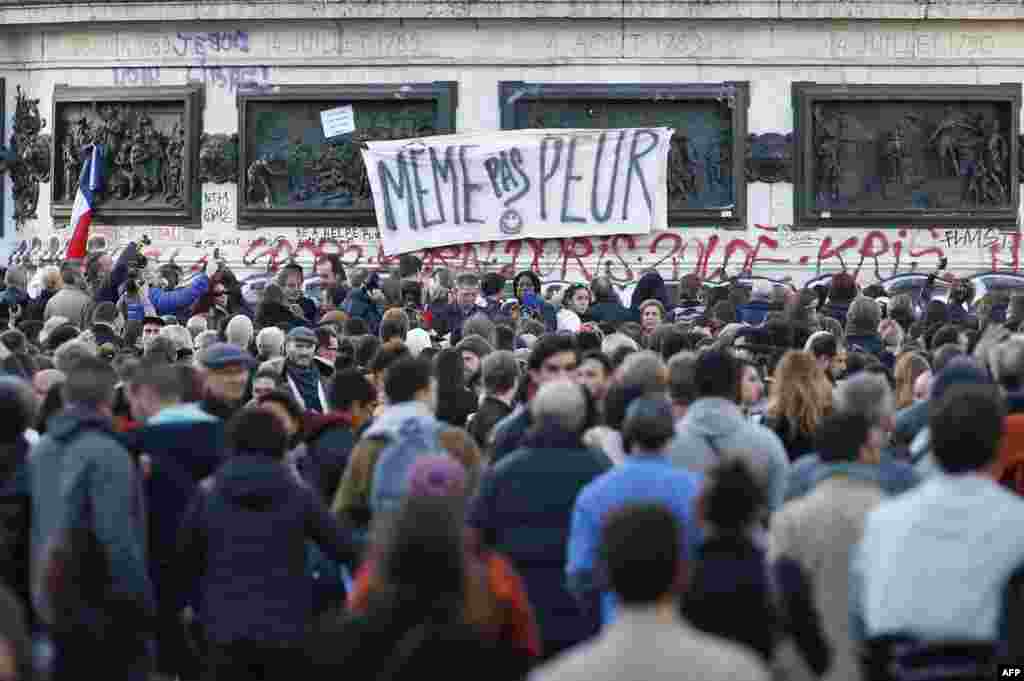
x,y
427,472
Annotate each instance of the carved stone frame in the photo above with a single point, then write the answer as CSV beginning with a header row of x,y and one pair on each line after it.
x,y
806,94
514,95
3,142
190,96
443,93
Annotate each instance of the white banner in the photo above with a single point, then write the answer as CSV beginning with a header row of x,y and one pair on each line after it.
x,y
517,184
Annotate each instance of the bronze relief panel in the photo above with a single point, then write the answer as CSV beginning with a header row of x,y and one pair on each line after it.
x,y
922,154
149,140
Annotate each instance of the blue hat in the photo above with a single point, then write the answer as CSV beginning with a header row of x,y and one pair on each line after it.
x,y
220,355
302,333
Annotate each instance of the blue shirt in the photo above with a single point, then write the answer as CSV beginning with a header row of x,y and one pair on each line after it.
x,y
642,478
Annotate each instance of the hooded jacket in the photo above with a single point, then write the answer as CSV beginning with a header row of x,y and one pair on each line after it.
x,y
242,550
329,438
713,427
79,471
184,445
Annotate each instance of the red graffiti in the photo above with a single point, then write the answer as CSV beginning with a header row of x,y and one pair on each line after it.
x,y
621,257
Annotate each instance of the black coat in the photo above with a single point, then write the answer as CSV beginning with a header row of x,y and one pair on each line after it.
x,y
735,595
455,408
491,411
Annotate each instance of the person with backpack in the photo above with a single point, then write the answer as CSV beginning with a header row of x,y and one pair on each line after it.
x,y
408,427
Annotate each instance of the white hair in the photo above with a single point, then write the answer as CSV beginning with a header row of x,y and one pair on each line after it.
x,y
560,403
239,331
196,325
270,338
178,335
616,341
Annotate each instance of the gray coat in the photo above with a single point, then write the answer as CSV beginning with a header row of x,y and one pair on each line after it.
x,y
819,532
80,473
713,427
641,644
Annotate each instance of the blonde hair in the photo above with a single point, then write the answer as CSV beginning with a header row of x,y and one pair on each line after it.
x,y
800,393
908,367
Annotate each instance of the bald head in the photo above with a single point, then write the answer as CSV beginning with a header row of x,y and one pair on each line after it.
x,y
270,342
239,331
560,403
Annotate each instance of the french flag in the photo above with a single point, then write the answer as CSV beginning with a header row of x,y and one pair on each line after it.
x,y
89,182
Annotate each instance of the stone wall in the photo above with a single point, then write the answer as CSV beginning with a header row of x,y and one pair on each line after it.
x,y
477,44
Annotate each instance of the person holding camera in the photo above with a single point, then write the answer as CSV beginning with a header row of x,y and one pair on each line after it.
x,y
169,299
365,301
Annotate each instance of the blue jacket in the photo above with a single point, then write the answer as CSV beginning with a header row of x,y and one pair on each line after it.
x,y
180,299
242,548
360,305
611,312
185,445
755,312
532,530
642,478
80,473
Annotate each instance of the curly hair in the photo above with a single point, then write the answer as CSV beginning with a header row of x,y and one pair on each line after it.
x,y
801,392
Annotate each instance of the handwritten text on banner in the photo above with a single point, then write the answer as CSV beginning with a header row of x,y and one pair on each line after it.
x,y
516,184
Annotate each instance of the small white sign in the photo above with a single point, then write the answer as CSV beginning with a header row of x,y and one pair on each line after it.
x,y
339,121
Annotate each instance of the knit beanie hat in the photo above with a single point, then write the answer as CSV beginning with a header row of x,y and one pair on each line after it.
x,y
437,476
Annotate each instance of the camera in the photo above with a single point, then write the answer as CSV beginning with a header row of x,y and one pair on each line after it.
x,y
132,281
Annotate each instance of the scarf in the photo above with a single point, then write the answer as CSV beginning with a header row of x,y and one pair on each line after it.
x,y
306,382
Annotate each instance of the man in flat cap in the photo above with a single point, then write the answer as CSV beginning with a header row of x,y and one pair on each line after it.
x,y
299,370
